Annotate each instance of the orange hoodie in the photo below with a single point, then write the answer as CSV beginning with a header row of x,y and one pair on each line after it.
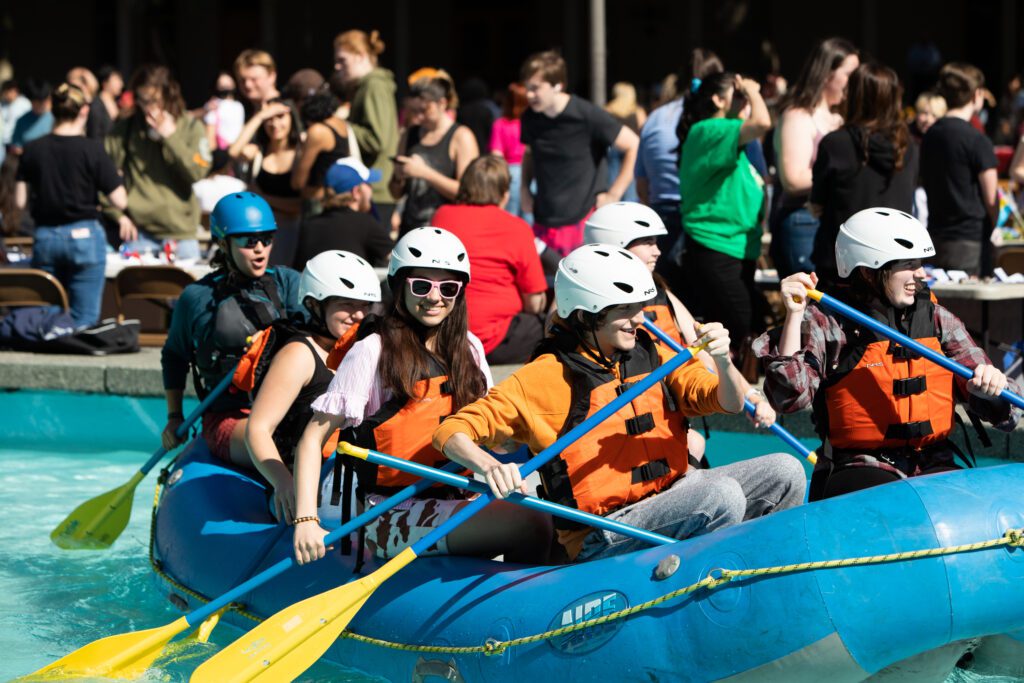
x,y
532,404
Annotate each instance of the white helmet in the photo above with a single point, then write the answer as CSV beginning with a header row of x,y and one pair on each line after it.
x,y
429,247
622,222
874,237
597,276
339,273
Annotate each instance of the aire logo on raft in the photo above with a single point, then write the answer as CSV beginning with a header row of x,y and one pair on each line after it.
x,y
588,607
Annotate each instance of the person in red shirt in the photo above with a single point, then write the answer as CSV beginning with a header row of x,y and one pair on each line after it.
x,y
507,295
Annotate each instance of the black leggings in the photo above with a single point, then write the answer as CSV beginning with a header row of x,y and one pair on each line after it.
x,y
727,285
850,479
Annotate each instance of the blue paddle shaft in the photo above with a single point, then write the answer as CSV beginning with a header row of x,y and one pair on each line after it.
x,y
552,451
776,428
199,616
459,481
183,428
903,340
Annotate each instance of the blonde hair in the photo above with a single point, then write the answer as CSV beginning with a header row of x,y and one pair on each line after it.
x,y
249,58
932,101
623,104
359,42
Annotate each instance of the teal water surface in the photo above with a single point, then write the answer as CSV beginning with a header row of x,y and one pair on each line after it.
x,y
58,450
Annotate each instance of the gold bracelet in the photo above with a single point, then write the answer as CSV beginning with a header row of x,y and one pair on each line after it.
x,y
307,518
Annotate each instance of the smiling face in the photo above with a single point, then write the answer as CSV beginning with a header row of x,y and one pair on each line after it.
x,y
618,326
646,249
900,282
257,82
340,314
429,310
251,261
278,127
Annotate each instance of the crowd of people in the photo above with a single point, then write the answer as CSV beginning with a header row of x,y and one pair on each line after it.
x,y
540,233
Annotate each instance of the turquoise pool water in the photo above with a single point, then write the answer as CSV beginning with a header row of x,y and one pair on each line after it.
x,y
57,450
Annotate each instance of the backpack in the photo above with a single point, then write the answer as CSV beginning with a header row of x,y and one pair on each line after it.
x,y
45,329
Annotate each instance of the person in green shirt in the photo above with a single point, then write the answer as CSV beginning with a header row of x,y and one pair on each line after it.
x,y
160,150
723,196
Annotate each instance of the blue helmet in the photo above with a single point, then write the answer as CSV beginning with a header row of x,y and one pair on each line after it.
x,y
241,213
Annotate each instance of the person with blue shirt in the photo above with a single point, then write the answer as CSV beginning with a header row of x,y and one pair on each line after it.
x,y
36,122
215,317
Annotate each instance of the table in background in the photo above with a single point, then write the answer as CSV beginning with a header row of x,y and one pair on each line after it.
x,y
986,293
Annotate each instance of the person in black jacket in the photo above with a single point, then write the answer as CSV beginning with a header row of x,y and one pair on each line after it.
x,y
347,222
870,162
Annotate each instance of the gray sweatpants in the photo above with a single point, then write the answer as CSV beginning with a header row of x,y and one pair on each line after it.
x,y
704,501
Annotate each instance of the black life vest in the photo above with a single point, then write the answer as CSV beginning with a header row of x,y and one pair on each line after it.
x,y
241,307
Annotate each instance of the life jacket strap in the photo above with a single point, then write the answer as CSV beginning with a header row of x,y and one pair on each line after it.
x,y
905,431
911,386
902,352
640,424
650,471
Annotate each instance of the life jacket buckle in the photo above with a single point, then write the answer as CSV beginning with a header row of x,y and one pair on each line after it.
x,y
911,386
650,471
640,424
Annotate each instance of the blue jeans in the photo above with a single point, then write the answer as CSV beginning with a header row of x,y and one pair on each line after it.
x,y
614,166
75,254
186,250
793,241
514,206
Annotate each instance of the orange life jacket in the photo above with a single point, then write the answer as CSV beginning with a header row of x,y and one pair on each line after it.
x,y
403,428
883,396
659,312
264,346
631,455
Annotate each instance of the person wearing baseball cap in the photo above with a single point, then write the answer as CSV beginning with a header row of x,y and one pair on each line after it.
x,y
347,221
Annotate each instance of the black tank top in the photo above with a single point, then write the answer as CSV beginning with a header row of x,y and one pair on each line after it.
x,y
326,159
275,184
421,199
287,434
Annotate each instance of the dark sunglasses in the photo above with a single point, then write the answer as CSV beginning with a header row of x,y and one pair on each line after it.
x,y
250,241
421,286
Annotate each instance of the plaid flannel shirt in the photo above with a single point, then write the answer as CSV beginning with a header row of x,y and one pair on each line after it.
x,y
791,382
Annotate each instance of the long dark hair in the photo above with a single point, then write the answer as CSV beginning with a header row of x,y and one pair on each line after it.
x,y
698,105
873,104
404,359
159,78
827,56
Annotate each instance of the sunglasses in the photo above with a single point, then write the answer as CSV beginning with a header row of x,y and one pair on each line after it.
x,y
250,241
420,287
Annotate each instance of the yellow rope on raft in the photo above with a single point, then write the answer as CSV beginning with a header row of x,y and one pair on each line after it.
x,y
1013,538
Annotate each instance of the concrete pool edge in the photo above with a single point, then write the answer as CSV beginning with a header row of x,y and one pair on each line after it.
x,y
138,375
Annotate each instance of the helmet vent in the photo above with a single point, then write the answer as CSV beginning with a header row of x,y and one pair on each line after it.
x,y
340,255
347,283
628,255
906,244
436,231
628,289
461,257
602,253
882,213
415,252
643,224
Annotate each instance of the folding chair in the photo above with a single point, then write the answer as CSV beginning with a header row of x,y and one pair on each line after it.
x,y
31,287
158,285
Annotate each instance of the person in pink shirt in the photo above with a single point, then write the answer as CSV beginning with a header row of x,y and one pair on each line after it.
x,y
507,294
506,144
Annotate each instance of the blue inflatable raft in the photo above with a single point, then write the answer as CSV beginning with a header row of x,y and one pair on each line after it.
x,y
212,531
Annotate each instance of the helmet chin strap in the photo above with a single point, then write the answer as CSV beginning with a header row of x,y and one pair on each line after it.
x,y
319,320
601,358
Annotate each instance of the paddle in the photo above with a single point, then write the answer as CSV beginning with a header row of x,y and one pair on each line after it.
x,y
539,504
903,340
776,428
96,523
128,655
288,643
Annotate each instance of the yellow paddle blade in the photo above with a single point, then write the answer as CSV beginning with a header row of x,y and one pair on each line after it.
x,y
96,523
124,656
291,641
